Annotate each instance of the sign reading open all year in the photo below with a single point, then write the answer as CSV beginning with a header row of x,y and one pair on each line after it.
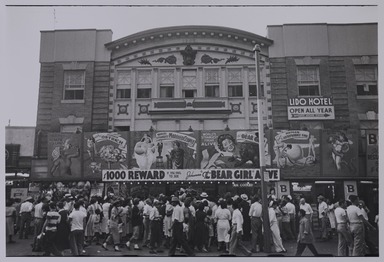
x,y
309,108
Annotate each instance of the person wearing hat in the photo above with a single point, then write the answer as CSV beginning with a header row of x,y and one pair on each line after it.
x,y
177,229
245,207
323,209
291,208
25,217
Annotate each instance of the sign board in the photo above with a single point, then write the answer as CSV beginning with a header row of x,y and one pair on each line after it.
x,y
283,188
350,188
372,153
311,108
188,175
21,193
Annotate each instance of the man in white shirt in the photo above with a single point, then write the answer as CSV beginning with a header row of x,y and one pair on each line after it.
x,y
344,247
177,229
237,232
356,222
38,220
25,217
147,230
255,212
77,220
292,215
155,222
307,208
323,208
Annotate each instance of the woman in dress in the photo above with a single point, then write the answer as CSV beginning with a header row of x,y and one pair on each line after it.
x,y
10,214
63,229
114,217
89,229
275,228
168,222
223,216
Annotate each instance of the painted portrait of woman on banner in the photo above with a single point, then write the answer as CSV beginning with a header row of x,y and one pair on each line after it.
x,y
163,150
340,154
230,149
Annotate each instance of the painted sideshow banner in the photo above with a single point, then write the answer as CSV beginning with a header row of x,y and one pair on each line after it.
x,y
339,153
297,152
372,153
163,150
64,156
104,151
231,149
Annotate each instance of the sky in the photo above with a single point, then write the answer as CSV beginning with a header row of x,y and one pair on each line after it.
x,y
22,26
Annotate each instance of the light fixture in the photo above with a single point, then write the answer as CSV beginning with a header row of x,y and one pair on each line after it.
x,y
190,129
226,128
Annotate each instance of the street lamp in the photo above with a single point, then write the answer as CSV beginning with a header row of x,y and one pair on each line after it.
x,y
260,124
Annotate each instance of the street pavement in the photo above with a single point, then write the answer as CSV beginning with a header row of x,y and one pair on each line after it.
x,y
22,248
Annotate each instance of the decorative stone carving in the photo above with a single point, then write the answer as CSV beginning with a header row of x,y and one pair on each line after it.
x,y
189,55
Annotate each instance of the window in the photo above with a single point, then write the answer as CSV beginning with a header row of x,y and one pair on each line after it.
x,y
308,80
189,83
252,83
212,83
123,86
144,93
74,84
189,93
235,82
144,83
167,83
166,91
366,80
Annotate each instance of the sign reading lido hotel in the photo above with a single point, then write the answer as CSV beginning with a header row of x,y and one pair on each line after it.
x,y
311,108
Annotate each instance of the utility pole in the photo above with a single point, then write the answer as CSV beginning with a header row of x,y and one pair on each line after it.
x,y
260,124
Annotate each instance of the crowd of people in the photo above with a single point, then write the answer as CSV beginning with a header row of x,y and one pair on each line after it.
x,y
187,223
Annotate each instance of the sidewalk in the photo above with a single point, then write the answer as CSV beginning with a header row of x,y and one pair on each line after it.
x,y
22,248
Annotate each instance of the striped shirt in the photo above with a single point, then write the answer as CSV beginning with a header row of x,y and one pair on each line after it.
x,y
53,219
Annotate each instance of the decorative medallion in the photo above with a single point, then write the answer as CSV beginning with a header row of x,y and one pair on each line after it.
x,y
143,109
144,61
235,108
206,59
168,60
254,108
123,109
232,59
189,55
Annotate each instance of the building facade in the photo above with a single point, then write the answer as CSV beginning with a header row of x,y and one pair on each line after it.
x,y
335,65
319,90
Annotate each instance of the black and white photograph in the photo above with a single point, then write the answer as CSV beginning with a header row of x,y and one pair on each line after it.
x,y
204,129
